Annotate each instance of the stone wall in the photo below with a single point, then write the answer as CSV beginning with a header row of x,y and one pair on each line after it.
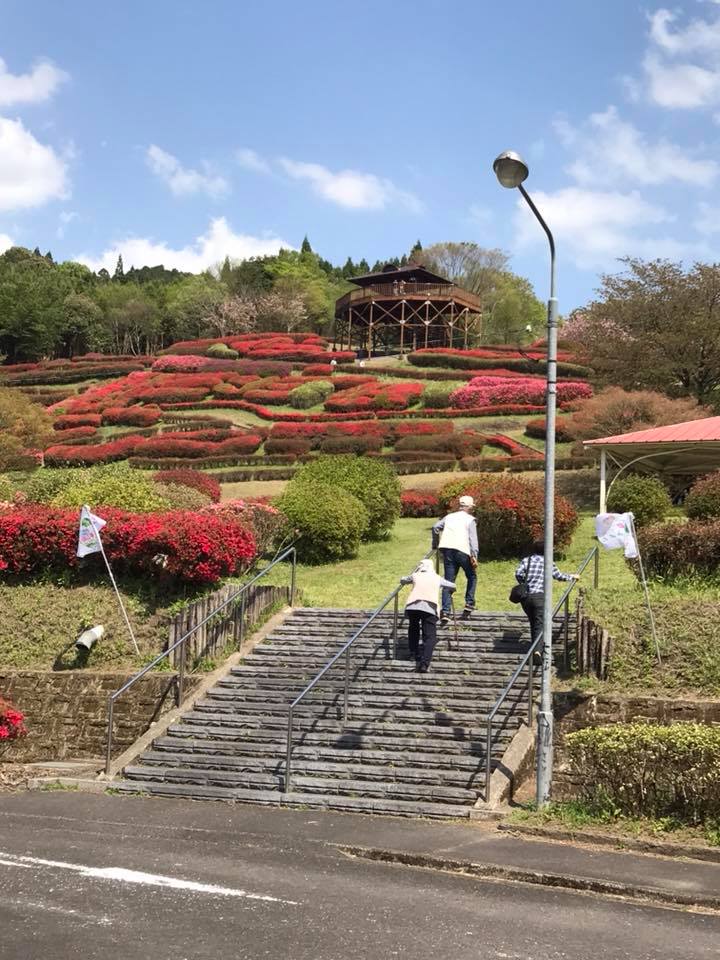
x,y
575,711
66,712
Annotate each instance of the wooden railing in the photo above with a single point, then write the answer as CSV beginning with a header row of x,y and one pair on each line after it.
x,y
439,291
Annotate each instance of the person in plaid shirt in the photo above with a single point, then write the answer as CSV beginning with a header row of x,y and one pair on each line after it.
x,y
531,570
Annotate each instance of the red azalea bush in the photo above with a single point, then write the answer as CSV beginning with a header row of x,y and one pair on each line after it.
x,y
374,395
70,420
132,416
295,445
484,390
88,456
351,444
179,364
679,550
703,501
12,722
419,503
416,428
512,447
75,433
509,512
185,547
204,482
318,370
537,428
266,522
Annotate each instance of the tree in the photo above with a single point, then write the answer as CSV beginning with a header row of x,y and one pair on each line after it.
x,y
417,252
614,411
190,301
469,265
305,247
232,315
32,294
512,313
25,428
119,274
654,326
82,328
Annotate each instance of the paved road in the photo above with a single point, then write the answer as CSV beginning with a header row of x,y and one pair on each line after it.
x,y
103,877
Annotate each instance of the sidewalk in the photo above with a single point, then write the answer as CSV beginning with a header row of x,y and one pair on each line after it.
x,y
471,849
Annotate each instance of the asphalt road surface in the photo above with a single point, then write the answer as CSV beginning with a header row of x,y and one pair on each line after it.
x,y
113,877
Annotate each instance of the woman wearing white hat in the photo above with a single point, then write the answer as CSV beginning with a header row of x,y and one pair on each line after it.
x,y
421,610
459,549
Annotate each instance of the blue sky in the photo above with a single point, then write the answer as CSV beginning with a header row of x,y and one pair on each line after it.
x,y
180,131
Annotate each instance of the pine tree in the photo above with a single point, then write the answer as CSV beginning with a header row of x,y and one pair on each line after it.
x,y
403,260
349,269
364,266
49,257
306,248
416,251
36,251
119,269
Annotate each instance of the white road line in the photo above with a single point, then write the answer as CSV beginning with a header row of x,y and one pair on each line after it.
x,y
121,875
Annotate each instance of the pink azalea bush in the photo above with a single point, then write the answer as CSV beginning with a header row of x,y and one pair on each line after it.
x,y
481,391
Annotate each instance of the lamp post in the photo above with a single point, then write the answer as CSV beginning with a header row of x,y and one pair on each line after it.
x,y
511,170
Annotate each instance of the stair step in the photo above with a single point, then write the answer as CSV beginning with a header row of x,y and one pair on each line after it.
x,y
389,807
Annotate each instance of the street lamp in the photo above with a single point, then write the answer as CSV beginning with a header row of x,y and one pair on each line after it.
x,y
511,170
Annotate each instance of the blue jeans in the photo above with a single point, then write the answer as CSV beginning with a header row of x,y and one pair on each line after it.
x,y
453,561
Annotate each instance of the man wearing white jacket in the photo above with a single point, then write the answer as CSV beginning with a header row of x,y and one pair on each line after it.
x,y
459,549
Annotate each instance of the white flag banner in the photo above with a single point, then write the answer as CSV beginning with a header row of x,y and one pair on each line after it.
x,y
89,533
615,532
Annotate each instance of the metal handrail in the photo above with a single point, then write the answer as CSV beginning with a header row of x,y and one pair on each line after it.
x,y
564,601
183,640
344,650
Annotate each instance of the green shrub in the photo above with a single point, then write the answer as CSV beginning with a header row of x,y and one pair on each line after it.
x,y
703,501
6,488
114,485
44,484
436,396
310,394
179,497
221,351
645,497
373,481
509,512
676,550
329,521
649,770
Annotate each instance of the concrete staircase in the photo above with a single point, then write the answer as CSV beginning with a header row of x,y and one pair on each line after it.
x,y
413,745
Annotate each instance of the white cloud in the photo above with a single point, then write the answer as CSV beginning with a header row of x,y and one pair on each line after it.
x,y
34,87
708,219
206,251
66,217
351,189
610,150
681,69
251,160
592,227
30,172
5,242
480,215
181,180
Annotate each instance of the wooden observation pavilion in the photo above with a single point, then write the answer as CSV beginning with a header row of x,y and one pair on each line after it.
x,y
404,308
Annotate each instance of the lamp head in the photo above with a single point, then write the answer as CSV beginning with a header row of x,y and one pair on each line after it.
x,y
510,169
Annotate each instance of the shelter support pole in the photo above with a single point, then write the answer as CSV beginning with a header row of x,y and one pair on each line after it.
x,y
603,481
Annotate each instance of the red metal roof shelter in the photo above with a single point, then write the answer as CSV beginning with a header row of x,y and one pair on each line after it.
x,y
680,449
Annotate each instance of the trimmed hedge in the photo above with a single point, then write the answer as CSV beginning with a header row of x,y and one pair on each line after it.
x,y
703,501
310,394
646,498
329,521
676,550
419,503
372,481
648,770
461,361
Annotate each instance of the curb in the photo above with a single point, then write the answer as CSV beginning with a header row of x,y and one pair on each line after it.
x,y
492,871
656,847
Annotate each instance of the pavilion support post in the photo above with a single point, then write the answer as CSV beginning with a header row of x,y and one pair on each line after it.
x,y
402,329
603,481
465,338
452,321
350,328
370,332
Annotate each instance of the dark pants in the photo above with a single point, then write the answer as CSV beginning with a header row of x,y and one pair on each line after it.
x,y
533,607
453,561
420,621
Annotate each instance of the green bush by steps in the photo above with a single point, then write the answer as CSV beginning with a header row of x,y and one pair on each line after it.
x,y
646,498
330,522
650,770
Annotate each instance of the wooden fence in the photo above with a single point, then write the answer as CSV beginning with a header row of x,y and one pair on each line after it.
x,y
593,647
229,627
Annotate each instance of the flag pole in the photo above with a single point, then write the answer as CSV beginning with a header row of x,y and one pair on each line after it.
x,y
643,580
112,580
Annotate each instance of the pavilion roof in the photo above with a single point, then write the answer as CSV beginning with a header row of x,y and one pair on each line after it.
x,y
412,272
679,448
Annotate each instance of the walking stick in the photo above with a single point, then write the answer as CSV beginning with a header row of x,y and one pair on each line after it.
x,y
455,629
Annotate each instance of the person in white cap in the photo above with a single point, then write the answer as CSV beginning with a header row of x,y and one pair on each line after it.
x,y
421,611
459,549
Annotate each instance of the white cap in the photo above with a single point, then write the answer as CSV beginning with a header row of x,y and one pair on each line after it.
x,y
466,502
